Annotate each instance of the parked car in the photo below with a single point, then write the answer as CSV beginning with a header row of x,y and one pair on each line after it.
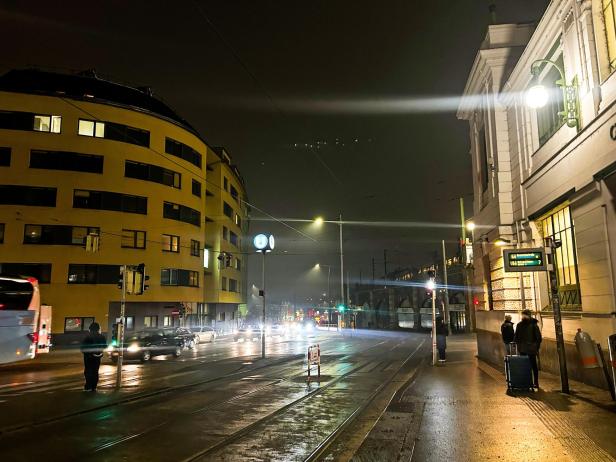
x,y
248,333
204,334
146,344
187,337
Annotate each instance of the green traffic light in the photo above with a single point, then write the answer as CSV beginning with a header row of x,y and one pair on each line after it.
x,y
341,308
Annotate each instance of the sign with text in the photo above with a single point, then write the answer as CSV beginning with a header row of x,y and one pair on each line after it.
x,y
522,260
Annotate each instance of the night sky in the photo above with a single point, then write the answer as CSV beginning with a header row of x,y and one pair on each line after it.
x,y
259,77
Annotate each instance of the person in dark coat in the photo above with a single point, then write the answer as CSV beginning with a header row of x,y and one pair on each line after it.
x,y
528,339
441,339
92,348
507,333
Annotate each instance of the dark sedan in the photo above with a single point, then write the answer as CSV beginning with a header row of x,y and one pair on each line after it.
x,y
146,344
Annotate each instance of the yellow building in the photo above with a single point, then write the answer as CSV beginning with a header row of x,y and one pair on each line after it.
x,y
81,156
225,224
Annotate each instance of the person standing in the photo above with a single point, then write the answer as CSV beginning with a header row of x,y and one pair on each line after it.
x,y
441,339
507,333
528,338
92,348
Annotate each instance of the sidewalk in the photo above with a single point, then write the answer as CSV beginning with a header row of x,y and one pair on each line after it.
x,y
462,412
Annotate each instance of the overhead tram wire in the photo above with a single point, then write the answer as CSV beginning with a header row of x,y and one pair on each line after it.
x,y
256,81
200,176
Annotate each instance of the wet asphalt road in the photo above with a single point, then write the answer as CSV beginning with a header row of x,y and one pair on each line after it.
x,y
219,402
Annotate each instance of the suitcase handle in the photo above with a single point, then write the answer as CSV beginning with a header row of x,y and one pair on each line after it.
x,y
513,348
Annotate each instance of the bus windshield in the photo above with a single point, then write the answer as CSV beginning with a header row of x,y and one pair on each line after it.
x,y
15,294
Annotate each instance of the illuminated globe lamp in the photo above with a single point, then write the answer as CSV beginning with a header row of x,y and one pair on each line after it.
x,y
264,243
536,96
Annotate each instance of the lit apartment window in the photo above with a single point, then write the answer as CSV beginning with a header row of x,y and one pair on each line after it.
x,y
171,243
47,123
77,324
238,264
610,32
133,239
167,321
238,220
559,226
91,128
206,258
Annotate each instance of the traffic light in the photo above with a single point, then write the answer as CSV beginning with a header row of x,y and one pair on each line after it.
x,y
341,308
140,280
182,311
121,279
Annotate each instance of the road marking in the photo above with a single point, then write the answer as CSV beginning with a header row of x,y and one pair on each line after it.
x,y
14,384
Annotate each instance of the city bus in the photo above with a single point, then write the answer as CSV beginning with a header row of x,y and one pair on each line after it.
x,y
25,324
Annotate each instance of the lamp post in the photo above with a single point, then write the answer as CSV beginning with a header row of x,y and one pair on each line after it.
x,y
264,244
537,96
319,221
329,272
431,286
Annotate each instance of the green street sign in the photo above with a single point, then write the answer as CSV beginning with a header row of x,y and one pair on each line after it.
x,y
522,260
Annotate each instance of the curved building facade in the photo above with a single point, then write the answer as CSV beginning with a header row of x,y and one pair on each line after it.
x,y
79,157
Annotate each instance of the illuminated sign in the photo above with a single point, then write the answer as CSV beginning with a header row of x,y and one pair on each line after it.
x,y
522,260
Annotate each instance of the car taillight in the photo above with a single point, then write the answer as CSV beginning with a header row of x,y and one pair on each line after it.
x,y
34,337
32,280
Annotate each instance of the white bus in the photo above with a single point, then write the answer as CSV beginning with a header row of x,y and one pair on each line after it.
x,y
25,325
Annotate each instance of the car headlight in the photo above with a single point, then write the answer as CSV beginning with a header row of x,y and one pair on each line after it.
x,y
133,348
308,327
110,348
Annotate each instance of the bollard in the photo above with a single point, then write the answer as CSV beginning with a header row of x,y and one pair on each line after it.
x,y
586,349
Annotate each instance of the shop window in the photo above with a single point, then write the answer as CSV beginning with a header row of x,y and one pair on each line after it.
x,y
559,226
77,324
167,321
221,316
150,321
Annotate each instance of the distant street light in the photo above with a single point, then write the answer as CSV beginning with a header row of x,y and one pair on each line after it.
x,y
329,271
319,221
538,95
470,226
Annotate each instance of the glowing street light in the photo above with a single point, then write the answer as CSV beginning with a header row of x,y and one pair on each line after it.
x,y
318,221
470,226
538,96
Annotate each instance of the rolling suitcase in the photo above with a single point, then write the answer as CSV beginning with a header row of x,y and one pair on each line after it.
x,y
518,371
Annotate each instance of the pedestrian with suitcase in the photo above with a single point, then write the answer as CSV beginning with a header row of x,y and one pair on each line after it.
x,y
528,339
507,333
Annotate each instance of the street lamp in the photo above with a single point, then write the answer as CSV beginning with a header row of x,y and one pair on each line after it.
x,y
538,95
501,242
329,271
319,221
431,287
264,244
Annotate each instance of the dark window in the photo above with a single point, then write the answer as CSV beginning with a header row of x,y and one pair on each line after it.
x,y
5,157
225,183
93,274
171,243
77,324
227,210
233,238
234,192
179,277
105,200
182,151
126,134
196,188
63,160
482,146
40,271
133,239
27,195
16,120
152,173
181,213
549,119
195,248
225,233
1,233
58,234
223,283
232,285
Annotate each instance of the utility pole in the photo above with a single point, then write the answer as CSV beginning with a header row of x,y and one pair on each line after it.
x,y
552,245
120,328
341,262
446,304
385,262
431,285
373,271
467,271
263,314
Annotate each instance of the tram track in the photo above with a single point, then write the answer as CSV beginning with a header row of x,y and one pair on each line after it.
x,y
210,452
